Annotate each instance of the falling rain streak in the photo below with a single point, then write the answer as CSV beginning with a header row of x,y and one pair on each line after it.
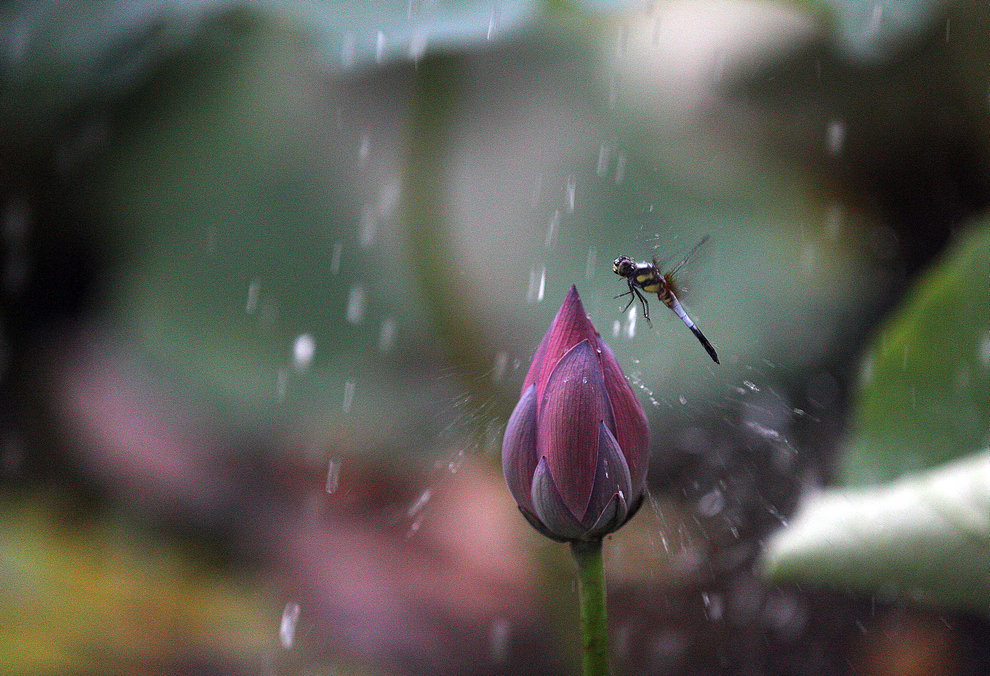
x,y
338,250
302,352
287,628
254,288
348,396
333,474
386,335
571,192
552,228
591,263
537,285
603,154
355,304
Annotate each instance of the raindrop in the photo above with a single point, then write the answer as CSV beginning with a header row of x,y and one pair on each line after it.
x,y
338,249
417,45
333,474
603,153
367,226
380,47
616,328
386,335
620,168
984,352
751,386
590,263
835,136
364,151
874,24
498,639
501,363
714,606
281,383
455,463
552,228
302,351
347,50
711,503
355,304
683,400
537,285
631,322
287,629
254,287
571,191
348,396
419,503
492,23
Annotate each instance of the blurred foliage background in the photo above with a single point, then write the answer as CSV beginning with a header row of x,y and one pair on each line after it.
x,y
272,273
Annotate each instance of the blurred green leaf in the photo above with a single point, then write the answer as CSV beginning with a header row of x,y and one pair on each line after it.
x,y
89,598
56,57
369,32
925,537
925,400
866,30
925,391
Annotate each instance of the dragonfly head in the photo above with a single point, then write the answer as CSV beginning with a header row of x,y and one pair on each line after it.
x,y
623,266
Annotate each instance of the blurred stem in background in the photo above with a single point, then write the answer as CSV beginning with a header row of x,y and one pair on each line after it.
x,y
433,259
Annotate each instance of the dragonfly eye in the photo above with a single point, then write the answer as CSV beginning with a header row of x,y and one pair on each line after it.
x,y
622,265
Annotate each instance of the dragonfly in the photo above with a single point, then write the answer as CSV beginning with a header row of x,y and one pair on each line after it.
x,y
647,277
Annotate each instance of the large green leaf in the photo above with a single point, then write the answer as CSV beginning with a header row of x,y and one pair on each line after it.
x,y
925,391
924,404
925,538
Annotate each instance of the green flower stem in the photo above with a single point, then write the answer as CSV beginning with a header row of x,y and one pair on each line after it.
x,y
591,594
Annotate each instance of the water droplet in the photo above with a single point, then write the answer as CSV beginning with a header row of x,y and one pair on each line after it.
x,y
454,464
603,153
380,47
571,191
751,386
302,351
364,151
631,322
616,328
254,287
417,45
333,474
552,228
620,168
984,351
835,136
281,384
873,26
348,396
591,263
387,334
537,285
367,226
347,50
712,503
338,249
287,628
419,503
492,23
501,363
355,304
714,606
683,400
498,639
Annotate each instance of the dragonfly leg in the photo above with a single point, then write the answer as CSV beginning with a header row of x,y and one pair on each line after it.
x,y
646,305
